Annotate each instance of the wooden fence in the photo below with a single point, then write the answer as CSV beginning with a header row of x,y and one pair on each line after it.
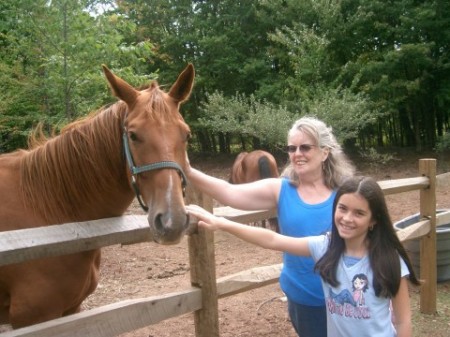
x,y
202,297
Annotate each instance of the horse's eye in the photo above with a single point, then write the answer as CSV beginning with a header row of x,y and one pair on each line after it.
x,y
133,136
188,137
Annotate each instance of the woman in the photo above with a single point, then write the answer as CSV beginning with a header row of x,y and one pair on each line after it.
x,y
362,263
303,198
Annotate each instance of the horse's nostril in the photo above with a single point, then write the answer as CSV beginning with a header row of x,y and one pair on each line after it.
x,y
169,228
159,226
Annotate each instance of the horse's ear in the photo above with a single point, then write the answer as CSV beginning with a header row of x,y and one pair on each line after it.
x,y
120,88
182,88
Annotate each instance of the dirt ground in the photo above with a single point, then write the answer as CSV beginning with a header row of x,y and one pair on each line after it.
x,y
147,269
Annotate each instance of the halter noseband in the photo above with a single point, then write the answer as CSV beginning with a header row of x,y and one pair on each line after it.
x,y
135,170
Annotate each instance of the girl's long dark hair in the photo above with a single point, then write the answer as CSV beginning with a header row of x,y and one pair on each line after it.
x,y
383,243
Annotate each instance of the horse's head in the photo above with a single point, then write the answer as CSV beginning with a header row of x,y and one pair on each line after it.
x,y
155,139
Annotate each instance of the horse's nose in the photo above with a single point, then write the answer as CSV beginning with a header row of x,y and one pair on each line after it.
x,y
169,228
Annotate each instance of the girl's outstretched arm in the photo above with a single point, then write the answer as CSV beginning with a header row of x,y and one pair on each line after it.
x,y
402,310
262,237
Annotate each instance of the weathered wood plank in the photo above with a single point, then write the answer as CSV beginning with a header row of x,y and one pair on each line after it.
x,y
203,274
18,246
403,185
443,180
27,244
421,228
443,218
114,319
388,187
129,315
428,253
32,243
414,231
242,216
248,280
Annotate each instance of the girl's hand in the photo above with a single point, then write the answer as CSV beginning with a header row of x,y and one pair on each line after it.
x,y
205,218
259,236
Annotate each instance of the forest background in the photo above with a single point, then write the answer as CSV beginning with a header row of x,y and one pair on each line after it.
x,y
377,71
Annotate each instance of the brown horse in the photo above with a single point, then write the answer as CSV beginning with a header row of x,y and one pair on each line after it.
x,y
252,166
93,169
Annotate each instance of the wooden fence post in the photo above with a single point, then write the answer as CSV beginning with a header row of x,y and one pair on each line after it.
x,y
203,271
428,268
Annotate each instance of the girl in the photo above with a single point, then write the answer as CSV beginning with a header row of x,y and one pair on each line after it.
x,y
362,253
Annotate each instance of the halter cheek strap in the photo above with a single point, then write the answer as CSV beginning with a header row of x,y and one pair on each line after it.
x,y
135,170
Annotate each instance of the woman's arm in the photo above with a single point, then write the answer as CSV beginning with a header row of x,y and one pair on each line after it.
x,y
262,237
402,310
261,194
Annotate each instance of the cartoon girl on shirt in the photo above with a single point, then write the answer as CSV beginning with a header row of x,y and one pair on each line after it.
x,y
360,285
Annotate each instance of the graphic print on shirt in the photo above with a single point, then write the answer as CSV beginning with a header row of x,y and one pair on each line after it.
x,y
350,303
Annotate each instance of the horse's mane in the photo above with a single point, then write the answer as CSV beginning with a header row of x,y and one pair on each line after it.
x,y
63,172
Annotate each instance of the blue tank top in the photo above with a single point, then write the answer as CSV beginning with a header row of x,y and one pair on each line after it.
x,y
298,219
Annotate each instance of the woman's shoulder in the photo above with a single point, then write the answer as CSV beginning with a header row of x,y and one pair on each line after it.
x,y
286,182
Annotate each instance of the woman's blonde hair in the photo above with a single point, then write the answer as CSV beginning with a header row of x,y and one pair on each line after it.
x,y
336,167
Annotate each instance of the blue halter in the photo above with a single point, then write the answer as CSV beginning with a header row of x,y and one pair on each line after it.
x,y
135,170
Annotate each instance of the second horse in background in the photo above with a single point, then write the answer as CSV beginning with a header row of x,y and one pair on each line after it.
x,y
253,166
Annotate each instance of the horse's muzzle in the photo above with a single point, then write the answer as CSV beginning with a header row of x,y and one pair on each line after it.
x,y
167,229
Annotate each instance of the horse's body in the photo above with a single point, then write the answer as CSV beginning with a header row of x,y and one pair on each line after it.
x,y
82,175
253,166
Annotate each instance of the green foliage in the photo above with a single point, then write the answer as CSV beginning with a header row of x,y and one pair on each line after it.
x,y
241,115
375,159
378,72
51,60
346,112
398,56
443,143
305,54
18,107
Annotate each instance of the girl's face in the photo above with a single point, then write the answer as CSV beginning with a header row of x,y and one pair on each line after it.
x,y
353,217
306,156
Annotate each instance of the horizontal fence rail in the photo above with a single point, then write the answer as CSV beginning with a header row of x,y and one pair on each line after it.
x,y
114,319
27,244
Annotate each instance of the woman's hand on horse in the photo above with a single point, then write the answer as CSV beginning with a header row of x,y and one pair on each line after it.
x,y
188,167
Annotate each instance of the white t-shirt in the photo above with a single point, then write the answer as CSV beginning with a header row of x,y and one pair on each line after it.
x,y
352,307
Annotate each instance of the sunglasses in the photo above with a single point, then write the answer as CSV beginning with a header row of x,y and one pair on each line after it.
x,y
304,148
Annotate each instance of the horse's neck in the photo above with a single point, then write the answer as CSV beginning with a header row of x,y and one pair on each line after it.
x,y
74,177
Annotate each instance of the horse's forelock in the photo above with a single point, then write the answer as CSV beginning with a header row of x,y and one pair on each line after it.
x,y
157,107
